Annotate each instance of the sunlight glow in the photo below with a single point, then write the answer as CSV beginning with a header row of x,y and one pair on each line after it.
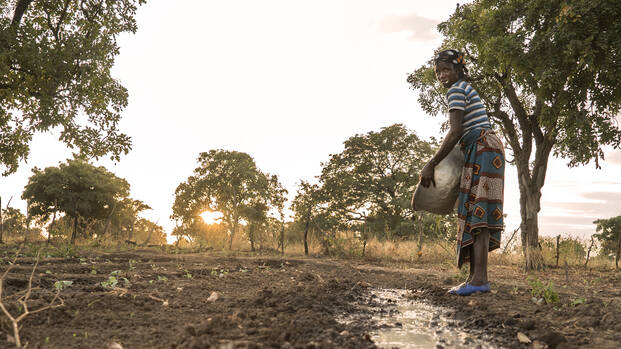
x,y
211,217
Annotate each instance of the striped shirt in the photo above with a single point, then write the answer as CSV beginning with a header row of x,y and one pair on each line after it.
x,y
463,97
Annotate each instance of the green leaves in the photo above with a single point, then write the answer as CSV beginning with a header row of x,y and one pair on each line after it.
x,y
542,292
372,180
55,61
608,231
561,59
62,284
75,188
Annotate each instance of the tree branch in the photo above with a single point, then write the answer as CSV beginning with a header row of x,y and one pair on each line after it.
x,y
20,9
534,119
62,15
520,113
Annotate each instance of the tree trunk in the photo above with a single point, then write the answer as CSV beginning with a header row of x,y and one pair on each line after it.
x,y
108,221
20,9
144,243
232,236
530,183
251,236
1,221
27,222
618,249
282,238
533,258
306,234
49,232
75,229
522,130
130,234
589,252
558,248
1,242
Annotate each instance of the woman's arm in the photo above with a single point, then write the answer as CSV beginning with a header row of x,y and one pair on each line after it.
x,y
456,117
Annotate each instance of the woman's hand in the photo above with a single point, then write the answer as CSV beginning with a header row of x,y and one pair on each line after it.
x,y
426,175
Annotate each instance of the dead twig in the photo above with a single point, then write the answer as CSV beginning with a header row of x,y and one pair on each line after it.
x,y
56,301
164,301
505,250
589,252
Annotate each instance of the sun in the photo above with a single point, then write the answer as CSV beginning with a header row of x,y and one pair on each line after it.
x,y
211,217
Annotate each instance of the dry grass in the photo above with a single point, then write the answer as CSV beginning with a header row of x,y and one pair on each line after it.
x,y
348,245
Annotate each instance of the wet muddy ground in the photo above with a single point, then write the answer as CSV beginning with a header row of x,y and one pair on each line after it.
x,y
149,299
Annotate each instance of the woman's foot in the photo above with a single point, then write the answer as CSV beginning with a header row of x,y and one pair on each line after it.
x,y
470,289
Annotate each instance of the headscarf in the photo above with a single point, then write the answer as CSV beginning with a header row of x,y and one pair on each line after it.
x,y
451,56
454,57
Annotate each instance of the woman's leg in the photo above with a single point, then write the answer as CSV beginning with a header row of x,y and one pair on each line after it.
x,y
480,250
470,272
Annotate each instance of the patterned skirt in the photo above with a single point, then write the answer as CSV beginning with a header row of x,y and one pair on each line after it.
x,y
481,191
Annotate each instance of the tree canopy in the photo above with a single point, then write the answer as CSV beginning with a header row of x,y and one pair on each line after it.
x,y
373,178
609,234
228,182
55,62
548,72
75,188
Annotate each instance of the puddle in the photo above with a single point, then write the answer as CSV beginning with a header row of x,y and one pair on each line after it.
x,y
404,323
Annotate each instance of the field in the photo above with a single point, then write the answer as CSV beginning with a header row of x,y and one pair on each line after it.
x,y
146,298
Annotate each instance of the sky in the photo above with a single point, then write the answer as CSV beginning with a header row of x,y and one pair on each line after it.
x,y
288,82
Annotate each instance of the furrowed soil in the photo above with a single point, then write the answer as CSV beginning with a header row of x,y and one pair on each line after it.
x,y
209,300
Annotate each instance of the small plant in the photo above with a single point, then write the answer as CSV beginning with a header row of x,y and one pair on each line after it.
x,y
60,285
159,279
541,292
110,283
577,301
187,275
132,264
219,273
113,280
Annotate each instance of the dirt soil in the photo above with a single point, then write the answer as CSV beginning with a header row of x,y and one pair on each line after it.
x,y
207,300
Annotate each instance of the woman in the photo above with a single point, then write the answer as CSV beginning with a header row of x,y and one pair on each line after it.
x,y
480,219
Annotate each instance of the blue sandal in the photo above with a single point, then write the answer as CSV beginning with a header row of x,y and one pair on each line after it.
x,y
469,289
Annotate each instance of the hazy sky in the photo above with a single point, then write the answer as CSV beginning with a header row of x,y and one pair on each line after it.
x,y
287,82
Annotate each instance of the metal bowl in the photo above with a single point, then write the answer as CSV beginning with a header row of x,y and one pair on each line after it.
x,y
441,199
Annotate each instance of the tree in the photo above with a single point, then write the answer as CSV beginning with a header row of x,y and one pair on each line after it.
x,y
305,206
547,71
147,232
77,189
55,68
126,216
228,182
373,179
14,222
610,236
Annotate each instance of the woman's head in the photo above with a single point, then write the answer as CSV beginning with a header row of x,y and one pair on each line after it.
x,y
450,67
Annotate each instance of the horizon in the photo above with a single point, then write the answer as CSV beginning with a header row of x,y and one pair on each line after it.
x,y
289,90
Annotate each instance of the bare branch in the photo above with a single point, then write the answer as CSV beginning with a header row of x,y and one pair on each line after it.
x,y
56,301
520,113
